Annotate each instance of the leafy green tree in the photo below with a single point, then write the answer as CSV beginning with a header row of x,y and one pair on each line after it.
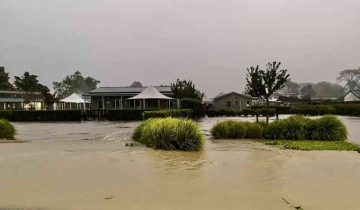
x,y
75,83
29,84
351,77
327,89
185,89
4,80
308,91
136,84
262,83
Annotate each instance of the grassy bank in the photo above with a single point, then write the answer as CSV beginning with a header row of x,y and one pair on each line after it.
x,y
170,134
309,145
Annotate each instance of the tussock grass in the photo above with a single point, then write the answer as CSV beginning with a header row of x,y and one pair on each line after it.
x,y
7,130
170,134
296,127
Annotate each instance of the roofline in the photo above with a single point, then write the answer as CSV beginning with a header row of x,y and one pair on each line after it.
x,y
352,91
243,95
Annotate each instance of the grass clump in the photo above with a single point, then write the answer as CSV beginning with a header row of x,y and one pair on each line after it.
x,y
7,130
170,134
296,127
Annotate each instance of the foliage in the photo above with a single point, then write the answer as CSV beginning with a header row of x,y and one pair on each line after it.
x,y
296,127
308,91
75,83
229,130
175,113
349,109
327,89
185,89
28,82
170,134
52,115
188,103
309,145
6,114
7,130
262,83
254,130
136,84
351,77
127,114
331,128
278,109
4,80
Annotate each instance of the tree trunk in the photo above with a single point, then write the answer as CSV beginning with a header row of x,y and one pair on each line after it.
x,y
267,111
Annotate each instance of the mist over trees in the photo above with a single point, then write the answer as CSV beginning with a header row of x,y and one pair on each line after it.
x,y
308,91
75,83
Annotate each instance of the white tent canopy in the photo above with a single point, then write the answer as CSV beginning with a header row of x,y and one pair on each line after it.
x,y
150,93
74,98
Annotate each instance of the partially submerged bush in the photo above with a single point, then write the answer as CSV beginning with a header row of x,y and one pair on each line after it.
x,y
7,130
170,134
296,127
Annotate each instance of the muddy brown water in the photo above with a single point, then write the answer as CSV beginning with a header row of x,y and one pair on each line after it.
x,y
86,166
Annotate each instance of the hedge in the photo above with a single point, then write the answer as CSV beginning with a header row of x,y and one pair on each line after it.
x,y
48,115
343,109
175,113
6,114
244,112
193,104
127,114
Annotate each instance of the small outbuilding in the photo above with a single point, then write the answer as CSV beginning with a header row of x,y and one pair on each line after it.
x,y
233,101
74,101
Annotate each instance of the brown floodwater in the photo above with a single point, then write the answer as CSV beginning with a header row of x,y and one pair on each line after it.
x,y
87,166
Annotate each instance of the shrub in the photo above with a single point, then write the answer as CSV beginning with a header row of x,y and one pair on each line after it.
x,y
175,113
263,112
229,129
254,130
170,134
246,112
238,113
294,127
331,128
7,130
48,115
6,114
275,130
220,113
350,109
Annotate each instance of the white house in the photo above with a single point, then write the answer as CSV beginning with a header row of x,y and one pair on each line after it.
x,y
352,95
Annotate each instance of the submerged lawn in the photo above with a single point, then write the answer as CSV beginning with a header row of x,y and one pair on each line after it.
x,y
313,145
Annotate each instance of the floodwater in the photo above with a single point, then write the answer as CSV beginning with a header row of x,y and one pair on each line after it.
x,y
71,166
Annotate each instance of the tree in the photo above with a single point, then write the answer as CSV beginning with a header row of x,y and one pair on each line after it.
x,y
185,89
308,91
291,87
136,84
75,83
4,80
29,84
351,77
262,83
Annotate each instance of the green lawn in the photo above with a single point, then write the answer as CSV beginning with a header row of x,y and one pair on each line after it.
x,y
313,145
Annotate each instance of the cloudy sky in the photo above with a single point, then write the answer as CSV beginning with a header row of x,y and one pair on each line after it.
x,y
211,42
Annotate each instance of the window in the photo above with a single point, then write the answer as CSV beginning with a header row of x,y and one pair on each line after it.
x,y
228,104
114,104
152,103
100,105
236,104
247,104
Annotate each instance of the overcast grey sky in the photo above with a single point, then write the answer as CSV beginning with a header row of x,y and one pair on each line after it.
x,y
211,42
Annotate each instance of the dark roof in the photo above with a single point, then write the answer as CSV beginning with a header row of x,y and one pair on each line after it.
x,y
126,90
290,99
239,94
356,93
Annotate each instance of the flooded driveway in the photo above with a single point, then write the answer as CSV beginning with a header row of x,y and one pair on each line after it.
x,y
86,166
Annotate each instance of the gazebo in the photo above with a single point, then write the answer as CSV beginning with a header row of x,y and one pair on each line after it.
x,y
150,93
73,99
